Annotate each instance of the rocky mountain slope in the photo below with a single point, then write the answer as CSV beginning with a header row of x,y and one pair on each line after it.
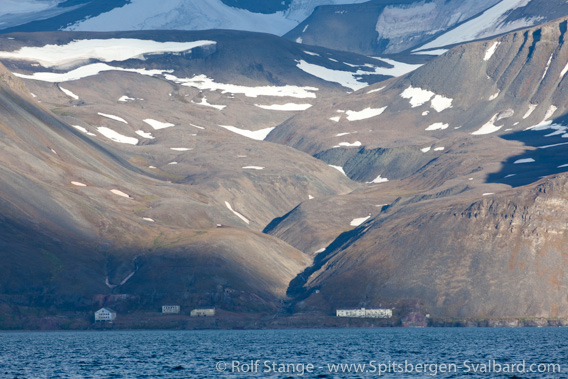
x,y
249,172
87,213
485,93
501,256
453,138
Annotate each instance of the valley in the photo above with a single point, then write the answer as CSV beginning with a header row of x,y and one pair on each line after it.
x,y
279,179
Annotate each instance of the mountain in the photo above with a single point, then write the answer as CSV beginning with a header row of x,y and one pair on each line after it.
x,y
123,183
391,27
507,89
474,144
369,27
279,181
497,257
75,222
276,17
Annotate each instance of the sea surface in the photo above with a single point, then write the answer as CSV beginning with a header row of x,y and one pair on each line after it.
x,y
307,353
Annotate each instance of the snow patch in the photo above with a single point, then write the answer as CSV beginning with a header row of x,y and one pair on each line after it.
x,y
378,180
258,135
117,137
205,103
253,168
432,52
437,126
417,96
547,67
344,78
347,144
495,95
157,125
285,107
489,53
237,213
376,90
546,122
489,127
84,72
398,69
79,184
426,149
113,117
364,114
524,160
564,71
69,93
359,221
310,53
147,219
531,109
202,82
84,130
441,103
125,98
439,149
143,134
335,118
338,168
104,50
180,148
120,193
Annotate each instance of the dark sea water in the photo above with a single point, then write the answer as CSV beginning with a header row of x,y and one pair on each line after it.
x,y
287,353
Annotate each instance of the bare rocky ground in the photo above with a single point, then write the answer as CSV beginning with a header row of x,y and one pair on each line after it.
x,y
194,213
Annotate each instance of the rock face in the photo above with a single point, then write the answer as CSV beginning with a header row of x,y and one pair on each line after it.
x,y
498,257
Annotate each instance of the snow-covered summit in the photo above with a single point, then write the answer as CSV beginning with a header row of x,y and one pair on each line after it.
x,y
201,15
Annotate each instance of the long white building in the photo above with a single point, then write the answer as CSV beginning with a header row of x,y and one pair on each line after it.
x,y
365,313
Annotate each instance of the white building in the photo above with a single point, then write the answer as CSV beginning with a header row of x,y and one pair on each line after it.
x,y
170,309
203,312
105,314
365,313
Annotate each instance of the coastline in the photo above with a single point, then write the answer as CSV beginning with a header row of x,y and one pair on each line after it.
x,y
250,321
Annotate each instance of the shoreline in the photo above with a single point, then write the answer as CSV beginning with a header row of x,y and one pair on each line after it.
x,y
238,321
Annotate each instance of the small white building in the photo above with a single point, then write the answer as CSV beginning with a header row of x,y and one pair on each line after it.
x,y
172,309
203,312
105,314
365,313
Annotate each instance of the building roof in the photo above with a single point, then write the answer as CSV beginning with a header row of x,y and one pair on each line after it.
x,y
107,309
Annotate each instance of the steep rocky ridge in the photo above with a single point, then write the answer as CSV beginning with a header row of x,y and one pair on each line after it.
x,y
501,256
